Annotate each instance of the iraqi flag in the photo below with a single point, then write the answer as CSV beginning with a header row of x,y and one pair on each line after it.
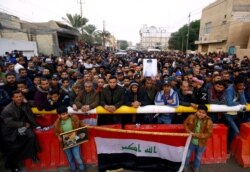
x,y
139,150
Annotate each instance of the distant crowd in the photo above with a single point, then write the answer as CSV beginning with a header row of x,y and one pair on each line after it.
x,y
88,77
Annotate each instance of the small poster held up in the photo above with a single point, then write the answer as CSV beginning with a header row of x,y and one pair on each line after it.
x,y
149,67
74,137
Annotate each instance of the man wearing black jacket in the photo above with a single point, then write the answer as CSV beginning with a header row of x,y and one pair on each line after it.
x,y
19,141
112,98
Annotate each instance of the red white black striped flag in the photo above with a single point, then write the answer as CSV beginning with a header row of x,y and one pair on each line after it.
x,y
140,151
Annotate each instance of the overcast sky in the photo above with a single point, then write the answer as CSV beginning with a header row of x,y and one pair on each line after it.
x,y
123,18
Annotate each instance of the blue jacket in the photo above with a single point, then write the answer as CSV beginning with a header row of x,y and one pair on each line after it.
x,y
161,99
233,98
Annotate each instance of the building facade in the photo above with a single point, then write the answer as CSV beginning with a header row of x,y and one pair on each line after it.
x,y
154,37
225,26
51,37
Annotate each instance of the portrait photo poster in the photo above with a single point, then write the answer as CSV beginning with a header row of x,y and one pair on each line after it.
x,y
149,67
74,137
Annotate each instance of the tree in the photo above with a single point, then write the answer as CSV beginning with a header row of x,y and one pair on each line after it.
x,y
122,44
90,34
178,39
76,21
103,36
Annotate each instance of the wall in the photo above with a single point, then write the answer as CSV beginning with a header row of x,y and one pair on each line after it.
x,y
9,34
45,43
239,34
29,48
9,21
242,52
218,13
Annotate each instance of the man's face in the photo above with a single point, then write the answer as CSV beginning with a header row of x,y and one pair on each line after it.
x,y
185,87
112,83
45,85
11,79
65,84
196,70
219,88
54,97
120,77
102,70
59,69
31,65
134,89
178,78
46,72
166,88
37,81
226,77
100,83
64,75
88,87
126,82
240,87
217,78
126,69
23,73
11,67
54,81
21,87
95,78
87,77
194,84
17,98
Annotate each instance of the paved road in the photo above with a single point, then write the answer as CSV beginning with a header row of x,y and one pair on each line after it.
x,y
230,166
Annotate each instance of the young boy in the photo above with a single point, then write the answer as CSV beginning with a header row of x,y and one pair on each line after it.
x,y
201,127
64,123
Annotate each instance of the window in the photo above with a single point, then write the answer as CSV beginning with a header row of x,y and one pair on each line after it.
x,y
207,29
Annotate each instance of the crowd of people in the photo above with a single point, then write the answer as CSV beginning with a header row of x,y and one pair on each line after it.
x,y
88,77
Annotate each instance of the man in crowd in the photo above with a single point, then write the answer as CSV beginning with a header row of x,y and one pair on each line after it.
x,y
135,97
200,92
234,96
41,94
111,99
87,99
216,95
19,141
186,98
168,97
10,85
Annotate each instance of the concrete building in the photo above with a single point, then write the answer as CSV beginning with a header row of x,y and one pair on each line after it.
x,y
153,37
51,37
225,26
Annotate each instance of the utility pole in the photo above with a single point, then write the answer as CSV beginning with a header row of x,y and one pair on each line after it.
x,y
103,34
80,2
188,34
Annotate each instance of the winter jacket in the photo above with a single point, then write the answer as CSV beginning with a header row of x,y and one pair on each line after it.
x,y
233,98
206,128
84,98
215,97
40,98
11,120
161,99
76,123
131,97
112,96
